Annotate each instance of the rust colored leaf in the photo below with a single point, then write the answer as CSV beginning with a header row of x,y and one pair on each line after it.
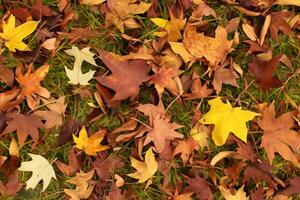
x,y
127,76
263,71
25,125
278,136
73,166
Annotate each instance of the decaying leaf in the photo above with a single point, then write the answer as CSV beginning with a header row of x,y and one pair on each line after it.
x,y
227,120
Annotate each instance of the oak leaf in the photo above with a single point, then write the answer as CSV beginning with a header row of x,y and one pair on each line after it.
x,y
24,125
145,170
13,36
226,120
90,145
127,76
278,136
214,50
41,170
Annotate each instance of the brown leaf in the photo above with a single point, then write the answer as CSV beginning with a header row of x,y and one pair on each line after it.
x,y
213,49
24,125
115,193
278,23
12,186
258,172
38,10
278,136
132,73
293,187
263,71
70,127
185,148
6,75
104,166
56,108
198,186
224,76
73,166
198,90
79,34
8,99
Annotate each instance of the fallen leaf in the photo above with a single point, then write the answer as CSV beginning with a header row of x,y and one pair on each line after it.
x,y
222,76
278,23
288,2
30,81
13,36
263,71
90,145
199,186
235,122
198,90
185,148
184,196
200,134
24,125
6,75
293,187
249,31
75,75
126,8
70,127
84,187
214,50
41,170
74,164
132,73
53,117
278,135
8,99
145,170
91,2
239,195
12,186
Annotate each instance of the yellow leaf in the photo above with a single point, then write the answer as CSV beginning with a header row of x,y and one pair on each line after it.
x,y
90,145
14,148
172,27
288,2
199,133
227,120
91,2
180,49
145,170
14,35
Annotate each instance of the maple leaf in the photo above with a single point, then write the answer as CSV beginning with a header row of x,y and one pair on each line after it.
x,y
199,186
84,186
90,145
222,76
185,148
6,75
41,170
30,81
200,133
263,71
126,8
8,99
198,90
227,119
293,187
127,76
145,170
56,108
213,49
75,75
172,27
278,135
24,125
279,23
12,186
74,164
239,195
13,36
